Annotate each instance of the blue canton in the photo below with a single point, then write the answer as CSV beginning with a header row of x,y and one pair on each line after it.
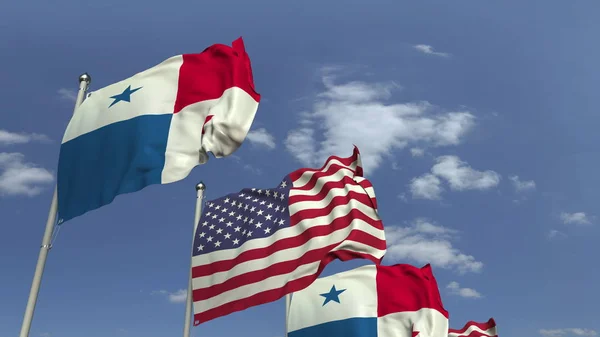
x,y
124,96
332,295
230,221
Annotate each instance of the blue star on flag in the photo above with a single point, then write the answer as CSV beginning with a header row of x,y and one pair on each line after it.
x,y
332,295
124,96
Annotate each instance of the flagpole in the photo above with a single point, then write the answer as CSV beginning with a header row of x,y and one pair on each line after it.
x,y
287,312
200,187
84,81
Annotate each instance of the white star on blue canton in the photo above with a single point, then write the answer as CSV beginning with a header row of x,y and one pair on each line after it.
x,y
259,214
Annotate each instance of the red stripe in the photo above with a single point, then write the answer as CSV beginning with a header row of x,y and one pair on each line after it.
x,y
345,161
477,334
275,294
356,154
291,242
318,175
281,268
366,184
483,326
327,187
342,183
313,213
206,75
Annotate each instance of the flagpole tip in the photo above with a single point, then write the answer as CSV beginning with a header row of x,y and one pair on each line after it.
x,y
85,77
200,186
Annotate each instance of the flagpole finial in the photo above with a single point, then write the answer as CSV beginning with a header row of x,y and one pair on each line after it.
x,y
85,77
200,186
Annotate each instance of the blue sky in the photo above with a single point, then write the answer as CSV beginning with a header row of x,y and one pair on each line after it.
x,y
449,102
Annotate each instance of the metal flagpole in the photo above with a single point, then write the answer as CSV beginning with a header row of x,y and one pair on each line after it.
x,y
200,187
84,81
287,312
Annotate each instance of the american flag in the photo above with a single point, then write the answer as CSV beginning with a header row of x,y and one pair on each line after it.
x,y
256,246
474,329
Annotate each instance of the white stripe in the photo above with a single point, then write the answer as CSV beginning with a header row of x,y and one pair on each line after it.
x,y
307,175
370,190
332,193
252,289
273,282
489,332
358,161
235,110
336,177
156,97
288,254
337,212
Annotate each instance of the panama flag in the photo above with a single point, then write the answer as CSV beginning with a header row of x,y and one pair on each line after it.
x,y
155,127
370,301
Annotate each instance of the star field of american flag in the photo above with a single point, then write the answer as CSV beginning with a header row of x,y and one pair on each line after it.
x,y
252,213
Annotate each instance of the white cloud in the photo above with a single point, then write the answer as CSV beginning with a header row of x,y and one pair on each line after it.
x,y
427,49
178,296
261,137
567,332
522,186
356,113
459,175
67,94
18,177
301,144
417,152
455,289
555,234
426,186
578,218
11,138
252,169
246,166
424,242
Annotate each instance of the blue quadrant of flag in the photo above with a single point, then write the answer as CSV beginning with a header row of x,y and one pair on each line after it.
x,y
253,213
